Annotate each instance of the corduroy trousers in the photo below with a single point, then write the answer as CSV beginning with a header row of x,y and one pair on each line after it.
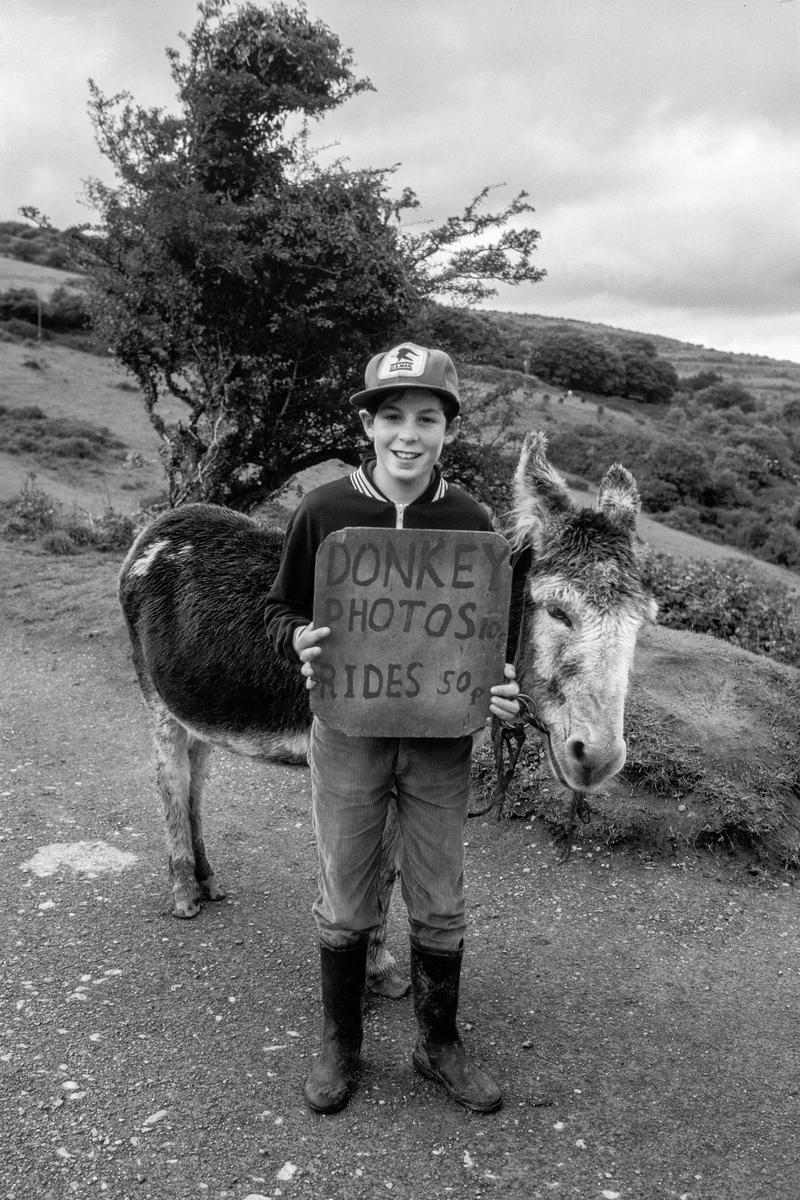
x,y
353,779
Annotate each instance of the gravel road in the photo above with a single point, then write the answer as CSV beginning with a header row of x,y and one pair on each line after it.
x,y
641,1015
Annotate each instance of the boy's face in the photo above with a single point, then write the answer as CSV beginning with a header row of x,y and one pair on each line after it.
x,y
408,432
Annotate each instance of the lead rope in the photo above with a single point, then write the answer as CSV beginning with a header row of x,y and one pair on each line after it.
x,y
507,742
508,739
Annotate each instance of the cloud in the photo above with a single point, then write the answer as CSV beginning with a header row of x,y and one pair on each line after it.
x,y
660,143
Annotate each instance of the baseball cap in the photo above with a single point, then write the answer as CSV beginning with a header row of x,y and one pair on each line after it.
x,y
409,366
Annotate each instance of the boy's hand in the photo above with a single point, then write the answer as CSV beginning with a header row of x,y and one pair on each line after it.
x,y
504,703
306,641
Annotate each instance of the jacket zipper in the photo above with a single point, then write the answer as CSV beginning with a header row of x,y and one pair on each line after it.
x,y
400,509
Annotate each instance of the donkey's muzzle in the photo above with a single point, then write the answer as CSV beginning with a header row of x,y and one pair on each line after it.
x,y
586,765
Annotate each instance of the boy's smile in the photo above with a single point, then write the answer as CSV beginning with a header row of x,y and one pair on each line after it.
x,y
408,432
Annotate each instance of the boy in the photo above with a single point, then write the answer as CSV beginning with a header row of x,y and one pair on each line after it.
x,y
410,410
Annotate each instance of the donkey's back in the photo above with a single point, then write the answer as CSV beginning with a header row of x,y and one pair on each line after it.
x,y
193,588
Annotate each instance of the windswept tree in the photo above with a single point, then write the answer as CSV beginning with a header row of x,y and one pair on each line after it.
x,y
235,275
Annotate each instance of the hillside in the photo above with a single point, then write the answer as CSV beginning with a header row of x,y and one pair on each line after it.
x,y
771,380
741,499
67,384
14,273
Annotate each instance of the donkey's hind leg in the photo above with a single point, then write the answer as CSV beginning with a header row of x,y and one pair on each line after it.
x,y
199,758
173,772
382,974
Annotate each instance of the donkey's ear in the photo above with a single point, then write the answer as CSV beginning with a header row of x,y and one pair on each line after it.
x,y
619,497
540,493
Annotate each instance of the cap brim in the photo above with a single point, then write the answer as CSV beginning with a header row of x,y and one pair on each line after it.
x,y
375,396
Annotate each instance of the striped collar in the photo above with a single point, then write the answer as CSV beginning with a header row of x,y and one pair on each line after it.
x,y
361,482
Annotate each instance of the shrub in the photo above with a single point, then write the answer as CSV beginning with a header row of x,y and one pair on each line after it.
x,y
22,303
782,545
590,449
66,310
33,512
675,472
749,467
700,381
35,516
726,600
22,331
59,542
727,395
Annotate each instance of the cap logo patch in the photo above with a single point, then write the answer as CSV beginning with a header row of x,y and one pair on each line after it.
x,y
406,361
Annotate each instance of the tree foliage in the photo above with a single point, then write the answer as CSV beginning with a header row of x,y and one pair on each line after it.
x,y
234,274
703,379
65,311
572,360
44,246
648,378
727,395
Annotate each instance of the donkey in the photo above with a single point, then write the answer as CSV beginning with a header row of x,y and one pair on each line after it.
x,y
581,607
193,587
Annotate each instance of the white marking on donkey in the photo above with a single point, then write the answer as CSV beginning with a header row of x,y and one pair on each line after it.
x,y
192,589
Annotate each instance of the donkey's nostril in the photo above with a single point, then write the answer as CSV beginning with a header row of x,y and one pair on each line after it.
x,y
577,749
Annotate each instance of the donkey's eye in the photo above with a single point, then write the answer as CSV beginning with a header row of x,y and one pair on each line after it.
x,y
559,615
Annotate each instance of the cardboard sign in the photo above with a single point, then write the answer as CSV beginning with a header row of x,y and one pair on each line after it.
x,y
419,621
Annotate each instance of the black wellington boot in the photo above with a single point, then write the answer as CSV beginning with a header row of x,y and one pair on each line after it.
x,y
439,1053
328,1086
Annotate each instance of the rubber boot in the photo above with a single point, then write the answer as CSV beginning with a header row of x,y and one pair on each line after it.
x,y
439,1053
328,1086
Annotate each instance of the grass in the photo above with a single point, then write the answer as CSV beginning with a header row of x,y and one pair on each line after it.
x,y
27,430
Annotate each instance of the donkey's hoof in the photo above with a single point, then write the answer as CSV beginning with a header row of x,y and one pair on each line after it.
x,y
564,847
185,907
391,984
209,889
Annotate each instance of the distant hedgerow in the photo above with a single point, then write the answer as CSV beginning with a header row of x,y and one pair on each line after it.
x,y
726,599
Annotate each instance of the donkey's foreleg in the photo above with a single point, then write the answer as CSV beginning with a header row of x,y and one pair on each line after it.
x,y
173,773
382,974
199,759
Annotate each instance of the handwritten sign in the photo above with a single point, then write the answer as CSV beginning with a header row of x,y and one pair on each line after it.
x,y
419,621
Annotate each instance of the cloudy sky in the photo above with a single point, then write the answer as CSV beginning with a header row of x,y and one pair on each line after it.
x,y
659,139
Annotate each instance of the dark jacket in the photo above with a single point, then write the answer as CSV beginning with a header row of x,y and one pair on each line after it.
x,y
346,503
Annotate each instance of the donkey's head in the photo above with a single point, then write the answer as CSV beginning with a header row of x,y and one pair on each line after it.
x,y
583,608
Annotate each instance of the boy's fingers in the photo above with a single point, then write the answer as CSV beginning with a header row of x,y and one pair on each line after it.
x,y
307,636
506,690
